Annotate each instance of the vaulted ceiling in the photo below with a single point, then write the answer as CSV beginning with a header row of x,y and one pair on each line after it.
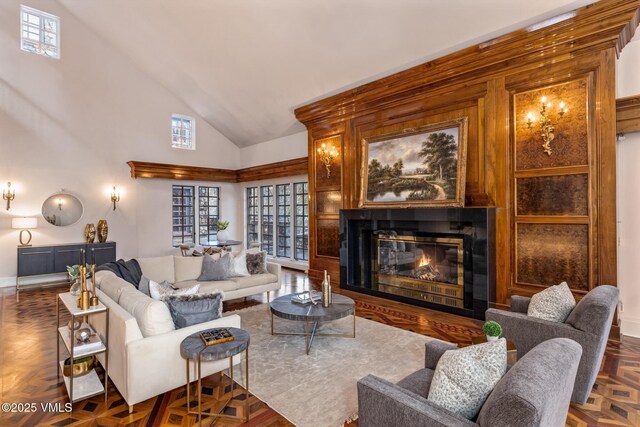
x,y
244,65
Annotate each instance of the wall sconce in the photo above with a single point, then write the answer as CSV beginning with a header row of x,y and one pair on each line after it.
x,y
115,197
8,194
327,155
546,123
24,224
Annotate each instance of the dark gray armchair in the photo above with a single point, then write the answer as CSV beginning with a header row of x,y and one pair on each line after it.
x,y
534,392
588,324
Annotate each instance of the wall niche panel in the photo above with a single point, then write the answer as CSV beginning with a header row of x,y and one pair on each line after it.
x,y
548,254
328,238
328,202
553,195
570,143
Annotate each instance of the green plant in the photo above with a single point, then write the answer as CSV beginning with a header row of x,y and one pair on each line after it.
x,y
492,328
222,225
74,270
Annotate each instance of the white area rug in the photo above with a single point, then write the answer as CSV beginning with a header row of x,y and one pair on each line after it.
x,y
319,390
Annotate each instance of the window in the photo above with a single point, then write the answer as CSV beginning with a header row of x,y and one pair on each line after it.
x,y
40,32
301,213
183,215
252,215
283,225
208,213
183,132
266,205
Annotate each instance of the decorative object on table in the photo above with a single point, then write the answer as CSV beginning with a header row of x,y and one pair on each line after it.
x,y
103,230
24,224
62,209
307,297
89,233
83,335
84,302
326,154
81,366
86,339
223,234
429,168
9,195
94,297
326,291
546,123
115,197
73,325
74,276
215,336
492,330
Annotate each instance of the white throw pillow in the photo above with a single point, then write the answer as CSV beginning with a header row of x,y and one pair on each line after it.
x,y
464,378
239,265
159,291
554,303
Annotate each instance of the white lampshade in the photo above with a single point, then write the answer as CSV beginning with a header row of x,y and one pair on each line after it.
x,y
24,223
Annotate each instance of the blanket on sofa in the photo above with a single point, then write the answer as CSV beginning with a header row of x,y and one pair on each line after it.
x,y
127,270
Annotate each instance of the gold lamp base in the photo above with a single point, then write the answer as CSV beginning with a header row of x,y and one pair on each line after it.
x,y
22,242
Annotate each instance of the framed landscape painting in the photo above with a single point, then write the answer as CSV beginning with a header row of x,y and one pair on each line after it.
x,y
415,167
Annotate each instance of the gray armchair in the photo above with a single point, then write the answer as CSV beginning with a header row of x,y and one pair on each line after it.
x,y
534,392
588,324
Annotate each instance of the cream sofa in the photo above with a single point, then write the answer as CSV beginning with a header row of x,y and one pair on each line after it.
x,y
144,346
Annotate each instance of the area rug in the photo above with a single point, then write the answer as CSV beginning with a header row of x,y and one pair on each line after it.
x,y
319,389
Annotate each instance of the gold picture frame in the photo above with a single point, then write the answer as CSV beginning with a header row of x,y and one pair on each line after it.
x,y
423,166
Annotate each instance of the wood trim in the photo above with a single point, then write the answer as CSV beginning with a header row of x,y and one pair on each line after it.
x,y
628,114
198,173
274,170
605,24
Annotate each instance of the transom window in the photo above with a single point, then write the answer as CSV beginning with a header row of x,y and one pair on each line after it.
x,y
40,32
208,213
183,132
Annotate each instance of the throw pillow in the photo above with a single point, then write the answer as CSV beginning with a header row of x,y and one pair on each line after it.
x,y
160,290
257,263
240,265
143,286
216,269
554,303
464,378
187,310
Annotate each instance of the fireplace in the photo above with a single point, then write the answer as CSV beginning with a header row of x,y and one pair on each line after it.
x,y
439,258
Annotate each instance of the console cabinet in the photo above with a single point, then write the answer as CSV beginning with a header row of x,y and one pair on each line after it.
x,y
54,259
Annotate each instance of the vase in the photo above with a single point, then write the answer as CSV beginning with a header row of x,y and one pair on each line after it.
x,y
223,235
89,233
103,230
491,338
75,288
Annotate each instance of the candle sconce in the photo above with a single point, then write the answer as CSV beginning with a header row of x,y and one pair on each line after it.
x,y
115,197
9,195
327,154
546,123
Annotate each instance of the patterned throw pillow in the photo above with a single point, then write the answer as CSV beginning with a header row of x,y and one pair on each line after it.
x,y
464,378
160,290
257,262
187,310
240,265
554,303
216,269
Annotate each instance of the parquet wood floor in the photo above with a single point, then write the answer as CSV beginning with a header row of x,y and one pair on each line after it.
x,y
28,370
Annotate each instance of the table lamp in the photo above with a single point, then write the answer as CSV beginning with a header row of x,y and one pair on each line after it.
x,y
24,224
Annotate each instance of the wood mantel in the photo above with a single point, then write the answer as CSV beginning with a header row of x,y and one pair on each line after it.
x,y
197,173
628,114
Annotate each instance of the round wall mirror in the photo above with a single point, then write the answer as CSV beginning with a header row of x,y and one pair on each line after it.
x,y
62,209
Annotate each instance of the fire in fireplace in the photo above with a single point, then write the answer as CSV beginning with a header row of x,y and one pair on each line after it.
x,y
434,266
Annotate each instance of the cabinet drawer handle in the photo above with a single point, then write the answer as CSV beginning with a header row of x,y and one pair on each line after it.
x,y
70,250
36,253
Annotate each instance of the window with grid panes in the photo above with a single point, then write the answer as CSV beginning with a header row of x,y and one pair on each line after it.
x,y
183,132
208,213
283,224
183,214
301,220
266,218
40,32
253,214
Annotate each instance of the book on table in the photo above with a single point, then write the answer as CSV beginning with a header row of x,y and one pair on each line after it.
x,y
216,336
306,297
92,343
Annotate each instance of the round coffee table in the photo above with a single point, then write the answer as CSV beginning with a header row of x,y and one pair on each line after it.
x,y
312,314
193,348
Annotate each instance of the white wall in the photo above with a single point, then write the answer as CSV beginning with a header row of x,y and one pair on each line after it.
x,y
628,84
285,148
73,123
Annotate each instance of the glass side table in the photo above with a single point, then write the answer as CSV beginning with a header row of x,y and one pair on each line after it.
x,y
87,385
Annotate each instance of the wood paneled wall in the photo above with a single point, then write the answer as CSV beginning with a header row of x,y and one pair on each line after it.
x,y
488,84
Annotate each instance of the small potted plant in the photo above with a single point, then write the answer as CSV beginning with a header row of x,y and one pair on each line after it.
x,y
492,329
74,276
223,234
